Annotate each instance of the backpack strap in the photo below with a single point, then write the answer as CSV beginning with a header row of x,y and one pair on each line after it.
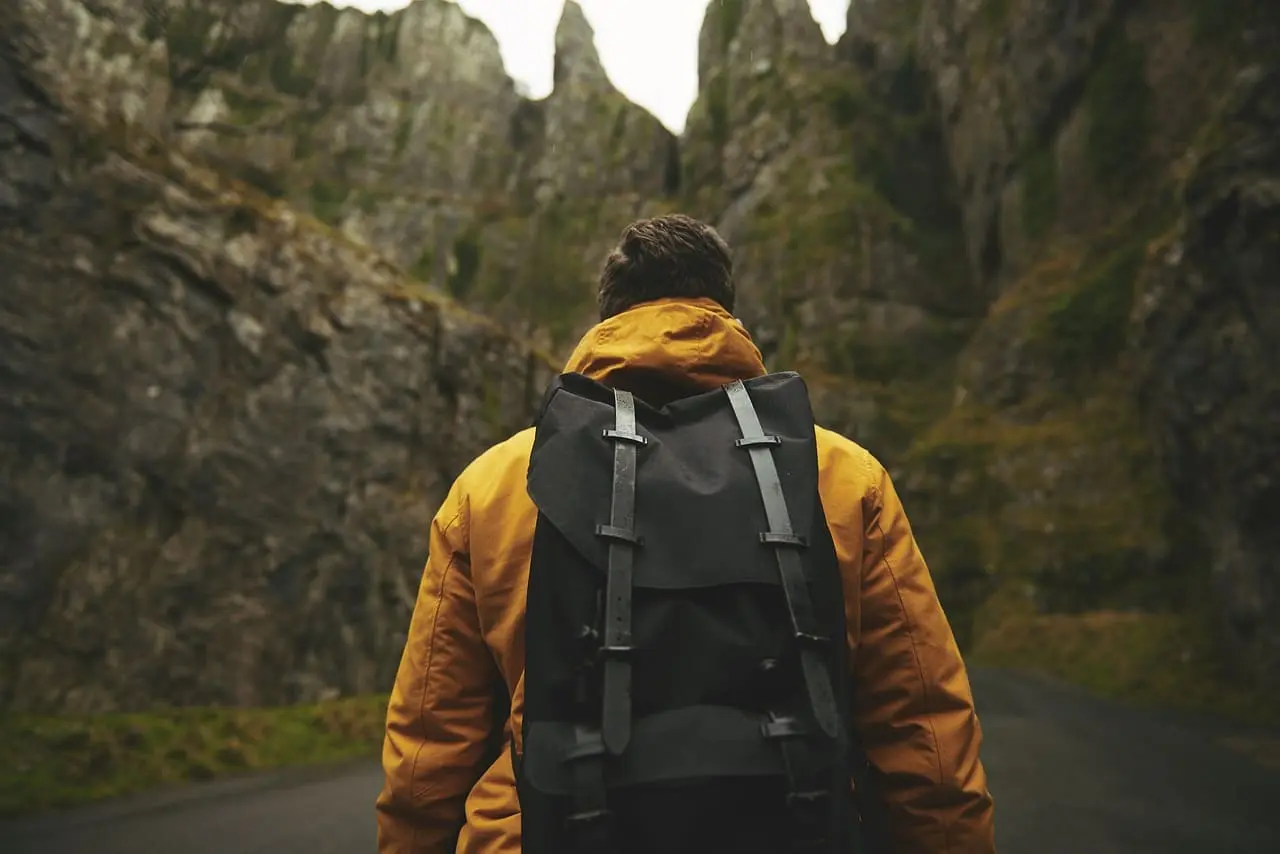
x,y
786,543
591,822
616,646
808,793
808,789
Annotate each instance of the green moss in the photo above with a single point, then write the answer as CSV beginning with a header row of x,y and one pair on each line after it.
x,y
1039,191
1223,21
717,95
271,182
153,25
326,200
556,285
995,14
907,359
59,761
304,144
492,410
1086,328
1064,499
295,73
287,77
845,98
186,31
466,256
1119,103
247,109
1153,659
424,268
618,130
388,35
729,20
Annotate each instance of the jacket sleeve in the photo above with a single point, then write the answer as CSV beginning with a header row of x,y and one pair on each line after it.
x,y
913,705
438,719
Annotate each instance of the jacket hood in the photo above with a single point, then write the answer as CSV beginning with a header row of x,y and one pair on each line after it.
x,y
667,349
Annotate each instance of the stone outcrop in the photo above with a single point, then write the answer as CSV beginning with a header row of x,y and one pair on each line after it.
x,y
225,426
1208,328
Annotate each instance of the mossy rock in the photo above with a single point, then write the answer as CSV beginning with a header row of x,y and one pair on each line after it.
x,y
1166,660
1119,102
717,97
1224,21
466,266
248,108
1086,329
294,69
1039,190
327,198
726,16
1066,498
995,14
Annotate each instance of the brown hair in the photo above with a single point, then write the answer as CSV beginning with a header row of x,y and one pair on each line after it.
x,y
666,256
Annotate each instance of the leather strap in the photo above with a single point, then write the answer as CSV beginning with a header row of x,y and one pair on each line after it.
x,y
616,646
786,544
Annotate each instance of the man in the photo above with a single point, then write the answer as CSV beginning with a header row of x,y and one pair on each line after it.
x,y
667,334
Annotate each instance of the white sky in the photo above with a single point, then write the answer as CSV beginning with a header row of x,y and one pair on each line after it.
x,y
649,48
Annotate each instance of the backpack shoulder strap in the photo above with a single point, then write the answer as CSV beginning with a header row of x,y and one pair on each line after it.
x,y
790,568
620,532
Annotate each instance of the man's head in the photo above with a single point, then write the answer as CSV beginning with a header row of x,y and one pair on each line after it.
x,y
664,257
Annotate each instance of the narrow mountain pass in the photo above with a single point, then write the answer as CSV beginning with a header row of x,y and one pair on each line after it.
x,y
1071,774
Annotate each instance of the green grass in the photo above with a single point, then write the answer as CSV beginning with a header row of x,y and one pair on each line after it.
x,y
62,761
1155,660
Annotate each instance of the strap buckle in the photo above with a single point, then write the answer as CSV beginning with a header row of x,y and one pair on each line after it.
x,y
623,436
812,641
810,799
590,831
809,814
615,651
617,534
588,819
783,538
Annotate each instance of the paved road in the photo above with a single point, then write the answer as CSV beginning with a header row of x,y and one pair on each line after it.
x,y
1071,775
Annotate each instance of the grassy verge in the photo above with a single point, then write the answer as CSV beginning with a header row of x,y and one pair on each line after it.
x,y
1153,660
62,761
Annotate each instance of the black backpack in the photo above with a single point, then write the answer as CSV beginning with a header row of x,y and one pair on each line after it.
x,y
685,664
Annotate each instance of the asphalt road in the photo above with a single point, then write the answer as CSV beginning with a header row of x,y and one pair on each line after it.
x,y
1070,774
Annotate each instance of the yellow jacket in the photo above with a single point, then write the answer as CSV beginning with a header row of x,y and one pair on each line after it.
x,y
913,707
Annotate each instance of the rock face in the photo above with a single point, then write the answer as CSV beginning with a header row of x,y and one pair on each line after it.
x,y
225,427
1022,251
402,130
1120,364
1208,324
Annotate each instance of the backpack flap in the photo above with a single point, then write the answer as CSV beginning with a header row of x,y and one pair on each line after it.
x,y
691,480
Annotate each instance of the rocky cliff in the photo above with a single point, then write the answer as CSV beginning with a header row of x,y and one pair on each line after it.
x,y
1020,248
225,424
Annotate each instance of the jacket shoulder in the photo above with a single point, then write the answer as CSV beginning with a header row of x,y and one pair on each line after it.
x,y
844,463
498,467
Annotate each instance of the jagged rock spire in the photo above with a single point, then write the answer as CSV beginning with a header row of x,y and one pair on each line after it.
x,y
576,54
